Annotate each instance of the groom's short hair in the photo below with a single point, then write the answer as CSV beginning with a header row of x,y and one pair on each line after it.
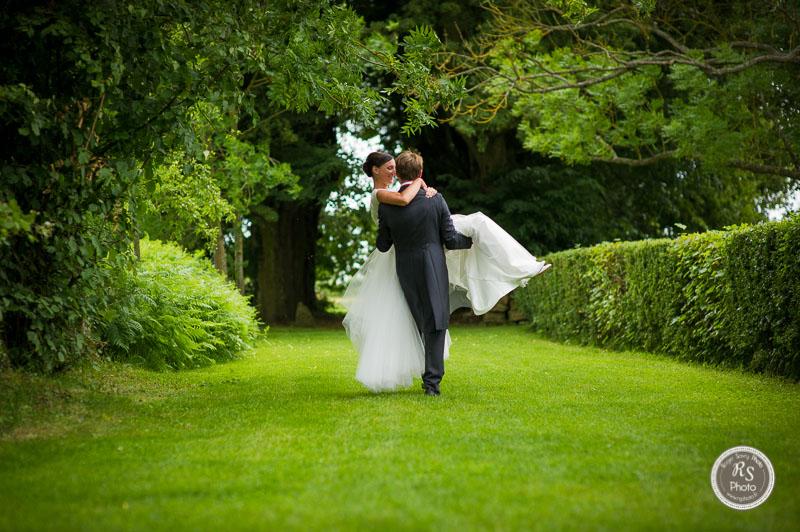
x,y
409,165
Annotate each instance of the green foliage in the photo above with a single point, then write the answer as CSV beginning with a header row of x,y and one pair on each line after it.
x,y
635,82
347,234
50,323
531,204
763,273
174,310
88,92
552,204
100,100
248,175
579,126
549,207
13,220
183,202
423,91
723,297
240,160
572,10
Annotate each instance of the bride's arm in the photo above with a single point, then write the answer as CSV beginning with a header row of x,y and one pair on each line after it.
x,y
400,198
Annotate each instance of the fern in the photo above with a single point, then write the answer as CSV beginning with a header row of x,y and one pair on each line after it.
x,y
175,311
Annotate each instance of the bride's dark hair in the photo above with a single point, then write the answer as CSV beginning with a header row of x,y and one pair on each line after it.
x,y
376,158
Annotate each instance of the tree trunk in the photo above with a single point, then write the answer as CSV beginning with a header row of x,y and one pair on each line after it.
x,y
137,249
238,255
220,258
286,249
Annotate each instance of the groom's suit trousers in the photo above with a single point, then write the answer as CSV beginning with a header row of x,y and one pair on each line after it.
x,y
434,358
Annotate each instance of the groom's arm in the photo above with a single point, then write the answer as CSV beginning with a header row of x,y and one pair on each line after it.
x,y
452,239
384,235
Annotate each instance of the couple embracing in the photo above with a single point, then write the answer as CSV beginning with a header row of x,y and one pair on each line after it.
x,y
399,302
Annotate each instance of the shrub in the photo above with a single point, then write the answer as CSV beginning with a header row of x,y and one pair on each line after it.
x,y
723,297
174,310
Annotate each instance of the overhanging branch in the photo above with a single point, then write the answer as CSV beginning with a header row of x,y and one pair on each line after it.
x,y
766,169
646,161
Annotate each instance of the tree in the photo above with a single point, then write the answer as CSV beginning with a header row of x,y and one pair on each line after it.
x,y
90,90
635,83
548,206
286,228
95,95
181,201
477,155
286,225
245,171
347,231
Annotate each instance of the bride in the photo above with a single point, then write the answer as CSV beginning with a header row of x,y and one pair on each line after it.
x,y
379,322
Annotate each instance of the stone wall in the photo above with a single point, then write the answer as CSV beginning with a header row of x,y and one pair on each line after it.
x,y
506,311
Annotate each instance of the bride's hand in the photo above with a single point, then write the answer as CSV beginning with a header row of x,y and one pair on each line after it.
x,y
430,192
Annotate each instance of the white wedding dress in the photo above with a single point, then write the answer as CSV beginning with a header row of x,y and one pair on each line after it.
x,y
379,322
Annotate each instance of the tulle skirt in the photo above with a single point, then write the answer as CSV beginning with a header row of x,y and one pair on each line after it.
x,y
379,322
381,327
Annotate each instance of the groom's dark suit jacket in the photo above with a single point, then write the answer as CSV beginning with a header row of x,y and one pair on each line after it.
x,y
418,232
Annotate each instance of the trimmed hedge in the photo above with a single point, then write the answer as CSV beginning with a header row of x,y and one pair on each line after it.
x,y
723,297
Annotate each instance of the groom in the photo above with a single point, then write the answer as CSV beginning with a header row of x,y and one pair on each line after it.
x,y
418,232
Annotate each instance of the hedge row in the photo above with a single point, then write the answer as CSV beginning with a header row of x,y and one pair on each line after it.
x,y
724,297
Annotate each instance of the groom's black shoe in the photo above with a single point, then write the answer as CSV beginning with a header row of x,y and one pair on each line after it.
x,y
432,391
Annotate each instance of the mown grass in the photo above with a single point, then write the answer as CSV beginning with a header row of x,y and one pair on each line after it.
x,y
528,434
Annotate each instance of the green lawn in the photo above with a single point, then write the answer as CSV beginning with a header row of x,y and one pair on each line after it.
x,y
527,434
